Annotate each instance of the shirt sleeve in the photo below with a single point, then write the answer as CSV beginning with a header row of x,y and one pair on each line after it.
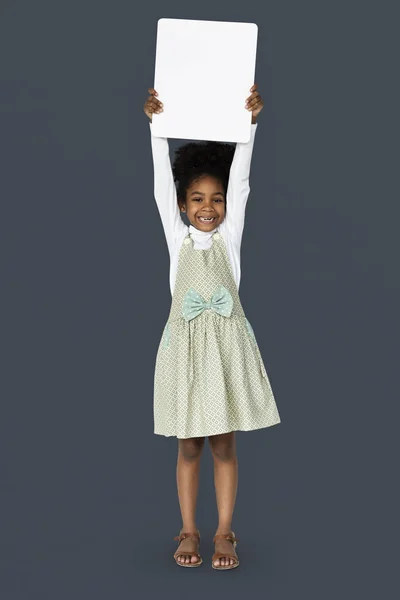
x,y
165,190
239,188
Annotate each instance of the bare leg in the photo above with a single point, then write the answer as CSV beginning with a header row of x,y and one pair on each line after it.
x,y
223,449
187,478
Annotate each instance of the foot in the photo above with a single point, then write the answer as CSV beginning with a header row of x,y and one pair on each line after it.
x,y
190,544
223,545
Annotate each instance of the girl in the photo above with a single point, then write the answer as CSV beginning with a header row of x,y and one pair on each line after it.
x,y
210,379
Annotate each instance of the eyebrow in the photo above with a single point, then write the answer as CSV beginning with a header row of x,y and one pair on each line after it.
x,y
201,193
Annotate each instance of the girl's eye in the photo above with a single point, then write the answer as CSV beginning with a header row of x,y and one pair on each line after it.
x,y
215,199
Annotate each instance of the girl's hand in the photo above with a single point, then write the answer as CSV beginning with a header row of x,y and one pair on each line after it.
x,y
254,103
152,104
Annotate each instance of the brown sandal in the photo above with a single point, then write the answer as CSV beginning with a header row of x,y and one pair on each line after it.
x,y
231,537
181,537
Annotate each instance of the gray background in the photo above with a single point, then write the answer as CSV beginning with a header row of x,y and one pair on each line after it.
x,y
88,493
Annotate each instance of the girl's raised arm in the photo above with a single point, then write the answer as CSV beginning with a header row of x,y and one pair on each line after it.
x,y
164,185
239,188
165,191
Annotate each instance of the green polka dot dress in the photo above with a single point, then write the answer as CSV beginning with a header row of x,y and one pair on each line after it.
x,y
209,374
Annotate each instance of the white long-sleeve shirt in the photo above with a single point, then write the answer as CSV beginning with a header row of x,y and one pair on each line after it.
x,y
231,228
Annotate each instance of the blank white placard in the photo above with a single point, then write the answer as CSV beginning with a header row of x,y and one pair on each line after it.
x,y
203,74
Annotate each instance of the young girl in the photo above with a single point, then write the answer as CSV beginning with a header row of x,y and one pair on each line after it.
x,y
210,379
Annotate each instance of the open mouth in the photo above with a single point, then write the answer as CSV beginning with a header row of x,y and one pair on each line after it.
x,y
206,219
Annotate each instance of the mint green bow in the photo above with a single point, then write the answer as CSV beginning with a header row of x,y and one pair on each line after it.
x,y
221,302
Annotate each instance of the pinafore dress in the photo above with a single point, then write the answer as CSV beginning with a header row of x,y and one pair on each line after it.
x,y
209,374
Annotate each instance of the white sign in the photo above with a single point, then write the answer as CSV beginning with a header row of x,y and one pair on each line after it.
x,y
203,74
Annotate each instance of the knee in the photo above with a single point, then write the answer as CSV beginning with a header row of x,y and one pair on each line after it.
x,y
223,447
191,448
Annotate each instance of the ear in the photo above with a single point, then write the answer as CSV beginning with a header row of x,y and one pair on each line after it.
x,y
182,207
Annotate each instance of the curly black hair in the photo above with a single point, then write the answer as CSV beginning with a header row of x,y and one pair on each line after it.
x,y
196,159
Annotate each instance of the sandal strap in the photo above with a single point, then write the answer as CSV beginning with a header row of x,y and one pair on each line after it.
x,y
186,534
225,536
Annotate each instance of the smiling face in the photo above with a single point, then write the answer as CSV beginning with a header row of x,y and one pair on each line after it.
x,y
205,203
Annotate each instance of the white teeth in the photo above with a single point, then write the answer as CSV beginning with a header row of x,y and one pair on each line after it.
x,y
207,218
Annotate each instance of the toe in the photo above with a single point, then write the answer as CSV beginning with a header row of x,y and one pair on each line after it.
x,y
216,562
194,559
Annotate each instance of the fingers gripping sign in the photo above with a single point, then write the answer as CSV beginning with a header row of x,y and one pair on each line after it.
x,y
254,102
153,104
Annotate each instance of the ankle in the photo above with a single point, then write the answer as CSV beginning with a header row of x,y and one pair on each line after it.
x,y
189,528
223,529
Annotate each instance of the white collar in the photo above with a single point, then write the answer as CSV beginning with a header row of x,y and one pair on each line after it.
x,y
200,233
